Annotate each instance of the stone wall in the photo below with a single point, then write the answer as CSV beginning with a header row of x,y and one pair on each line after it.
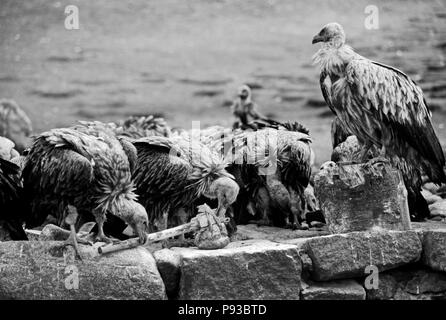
x,y
260,263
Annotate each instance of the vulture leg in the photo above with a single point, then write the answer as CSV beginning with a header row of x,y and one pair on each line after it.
x,y
73,239
101,237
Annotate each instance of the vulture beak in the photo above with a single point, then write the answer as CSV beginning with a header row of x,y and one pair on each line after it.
x,y
317,38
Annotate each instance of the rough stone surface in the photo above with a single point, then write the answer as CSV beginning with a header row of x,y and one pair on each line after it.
x,y
333,290
434,249
438,208
430,198
409,284
344,256
169,263
387,288
48,270
361,197
253,231
252,269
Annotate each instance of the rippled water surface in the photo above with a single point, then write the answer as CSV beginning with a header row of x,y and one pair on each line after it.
x,y
185,59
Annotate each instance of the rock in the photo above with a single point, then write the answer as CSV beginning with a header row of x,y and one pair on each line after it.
x,y
431,187
47,270
168,263
387,288
15,124
362,196
410,283
344,256
430,198
434,253
51,232
6,148
252,269
333,290
438,208
253,231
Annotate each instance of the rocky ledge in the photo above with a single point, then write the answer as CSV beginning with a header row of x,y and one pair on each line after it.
x,y
260,263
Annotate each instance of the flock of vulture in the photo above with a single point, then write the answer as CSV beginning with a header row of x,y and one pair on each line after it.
x,y
140,173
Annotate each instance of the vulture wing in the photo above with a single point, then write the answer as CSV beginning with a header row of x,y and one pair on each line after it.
x,y
296,159
57,167
9,182
161,170
326,85
391,102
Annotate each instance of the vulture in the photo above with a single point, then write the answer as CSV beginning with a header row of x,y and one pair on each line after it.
x,y
15,124
86,167
11,204
243,109
381,106
273,168
173,172
143,126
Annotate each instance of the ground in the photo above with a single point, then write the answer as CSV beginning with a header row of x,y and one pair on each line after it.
x,y
185,59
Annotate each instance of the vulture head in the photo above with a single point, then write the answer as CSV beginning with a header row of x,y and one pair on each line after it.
x,y
332,34
225,190
244,92
135,215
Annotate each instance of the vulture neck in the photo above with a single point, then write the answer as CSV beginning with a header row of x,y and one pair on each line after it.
x,y
332,59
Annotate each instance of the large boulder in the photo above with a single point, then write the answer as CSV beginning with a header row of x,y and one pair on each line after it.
x,y
358,197
276,234
409,284
169,263
48,270
343,256
333,290
434,249
252,269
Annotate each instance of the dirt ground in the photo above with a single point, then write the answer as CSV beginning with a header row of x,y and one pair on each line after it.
x,y
185,59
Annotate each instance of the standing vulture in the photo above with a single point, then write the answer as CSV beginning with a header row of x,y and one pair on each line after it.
x,y
173,172
86,168
378,104
244,108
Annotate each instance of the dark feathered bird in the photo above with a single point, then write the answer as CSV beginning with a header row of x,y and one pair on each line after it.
x,y
11,202
172,172
275,159
379,104
84,167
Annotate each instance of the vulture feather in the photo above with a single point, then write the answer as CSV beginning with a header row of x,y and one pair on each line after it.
x,y
173,172
380,105
86,167
272,166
